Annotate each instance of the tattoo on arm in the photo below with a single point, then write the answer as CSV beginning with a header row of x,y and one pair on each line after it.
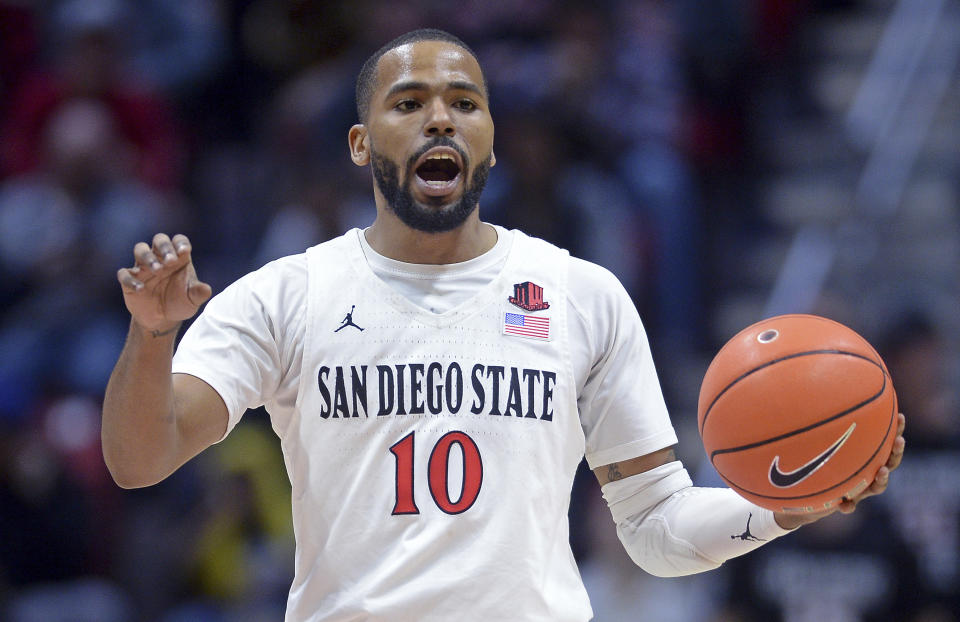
x,y
613,472
625,468
164,333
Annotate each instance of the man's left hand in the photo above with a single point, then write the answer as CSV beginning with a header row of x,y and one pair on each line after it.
x,y
846,506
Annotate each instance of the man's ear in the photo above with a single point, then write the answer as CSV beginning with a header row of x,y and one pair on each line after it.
x,y
359,144
493,158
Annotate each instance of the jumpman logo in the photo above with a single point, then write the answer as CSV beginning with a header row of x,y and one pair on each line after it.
x,y
746,536
348,320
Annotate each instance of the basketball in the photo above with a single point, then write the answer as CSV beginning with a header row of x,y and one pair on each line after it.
x,y
797,412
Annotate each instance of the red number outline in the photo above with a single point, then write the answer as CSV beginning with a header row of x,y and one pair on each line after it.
x,y
403,452
438,471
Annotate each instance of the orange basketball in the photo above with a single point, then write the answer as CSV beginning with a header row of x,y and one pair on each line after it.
x,y
797,412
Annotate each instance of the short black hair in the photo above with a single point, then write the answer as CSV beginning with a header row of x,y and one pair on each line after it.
x,y
367,77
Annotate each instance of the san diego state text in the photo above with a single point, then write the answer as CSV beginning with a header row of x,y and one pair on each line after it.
x,y
348,391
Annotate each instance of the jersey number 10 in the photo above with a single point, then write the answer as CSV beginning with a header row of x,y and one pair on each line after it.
x,y
438,471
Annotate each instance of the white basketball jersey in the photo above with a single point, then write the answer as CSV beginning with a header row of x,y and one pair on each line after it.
x,y
432,456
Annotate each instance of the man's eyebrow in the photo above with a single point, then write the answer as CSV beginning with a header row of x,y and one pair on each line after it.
x,y
408,85
461,85
414,85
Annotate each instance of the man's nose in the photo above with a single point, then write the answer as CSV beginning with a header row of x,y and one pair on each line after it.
x,y
439,123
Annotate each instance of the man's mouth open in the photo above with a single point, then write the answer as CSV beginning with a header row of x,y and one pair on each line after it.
x,y
438,172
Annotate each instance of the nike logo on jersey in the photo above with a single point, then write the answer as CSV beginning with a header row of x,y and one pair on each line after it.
x,y
791,478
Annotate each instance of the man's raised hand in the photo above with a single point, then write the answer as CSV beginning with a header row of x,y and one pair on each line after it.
x,y
161,289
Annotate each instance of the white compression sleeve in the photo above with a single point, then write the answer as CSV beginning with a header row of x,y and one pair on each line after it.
x,y
671,528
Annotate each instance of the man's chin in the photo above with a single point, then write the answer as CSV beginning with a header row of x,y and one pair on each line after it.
x,y
440,215
445,211
437,204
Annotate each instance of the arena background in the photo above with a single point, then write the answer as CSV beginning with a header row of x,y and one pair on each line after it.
x,y
727,159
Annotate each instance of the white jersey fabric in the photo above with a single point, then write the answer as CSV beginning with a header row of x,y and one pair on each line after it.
x,y
432,452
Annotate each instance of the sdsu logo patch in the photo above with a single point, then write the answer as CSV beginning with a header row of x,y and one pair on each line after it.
x,y
528,296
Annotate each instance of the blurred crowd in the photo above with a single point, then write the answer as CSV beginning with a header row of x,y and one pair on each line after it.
x,y
623,133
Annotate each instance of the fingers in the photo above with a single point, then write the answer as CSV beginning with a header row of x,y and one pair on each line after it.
x,y
163,248
162,254
879,484
145,258
882,479
896,454
847,506
167,253
181,244
128,281
900,443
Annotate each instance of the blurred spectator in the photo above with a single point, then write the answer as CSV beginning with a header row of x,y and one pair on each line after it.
x,y
89,61
651,96
213,542
57,511
302,144
916,355
531,156
717,53
287,186
64,228
19,44
843,568
925,503
173,46
44,515
244,551
154,540
604,164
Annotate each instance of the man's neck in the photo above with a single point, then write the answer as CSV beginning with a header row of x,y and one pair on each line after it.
x,y
391,238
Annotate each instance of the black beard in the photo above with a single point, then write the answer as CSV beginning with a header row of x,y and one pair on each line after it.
x,y
417,216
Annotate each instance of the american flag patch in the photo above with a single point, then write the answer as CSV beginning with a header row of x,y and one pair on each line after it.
x,y
526,326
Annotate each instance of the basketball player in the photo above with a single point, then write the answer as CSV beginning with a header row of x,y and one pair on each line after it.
x,y
431,454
